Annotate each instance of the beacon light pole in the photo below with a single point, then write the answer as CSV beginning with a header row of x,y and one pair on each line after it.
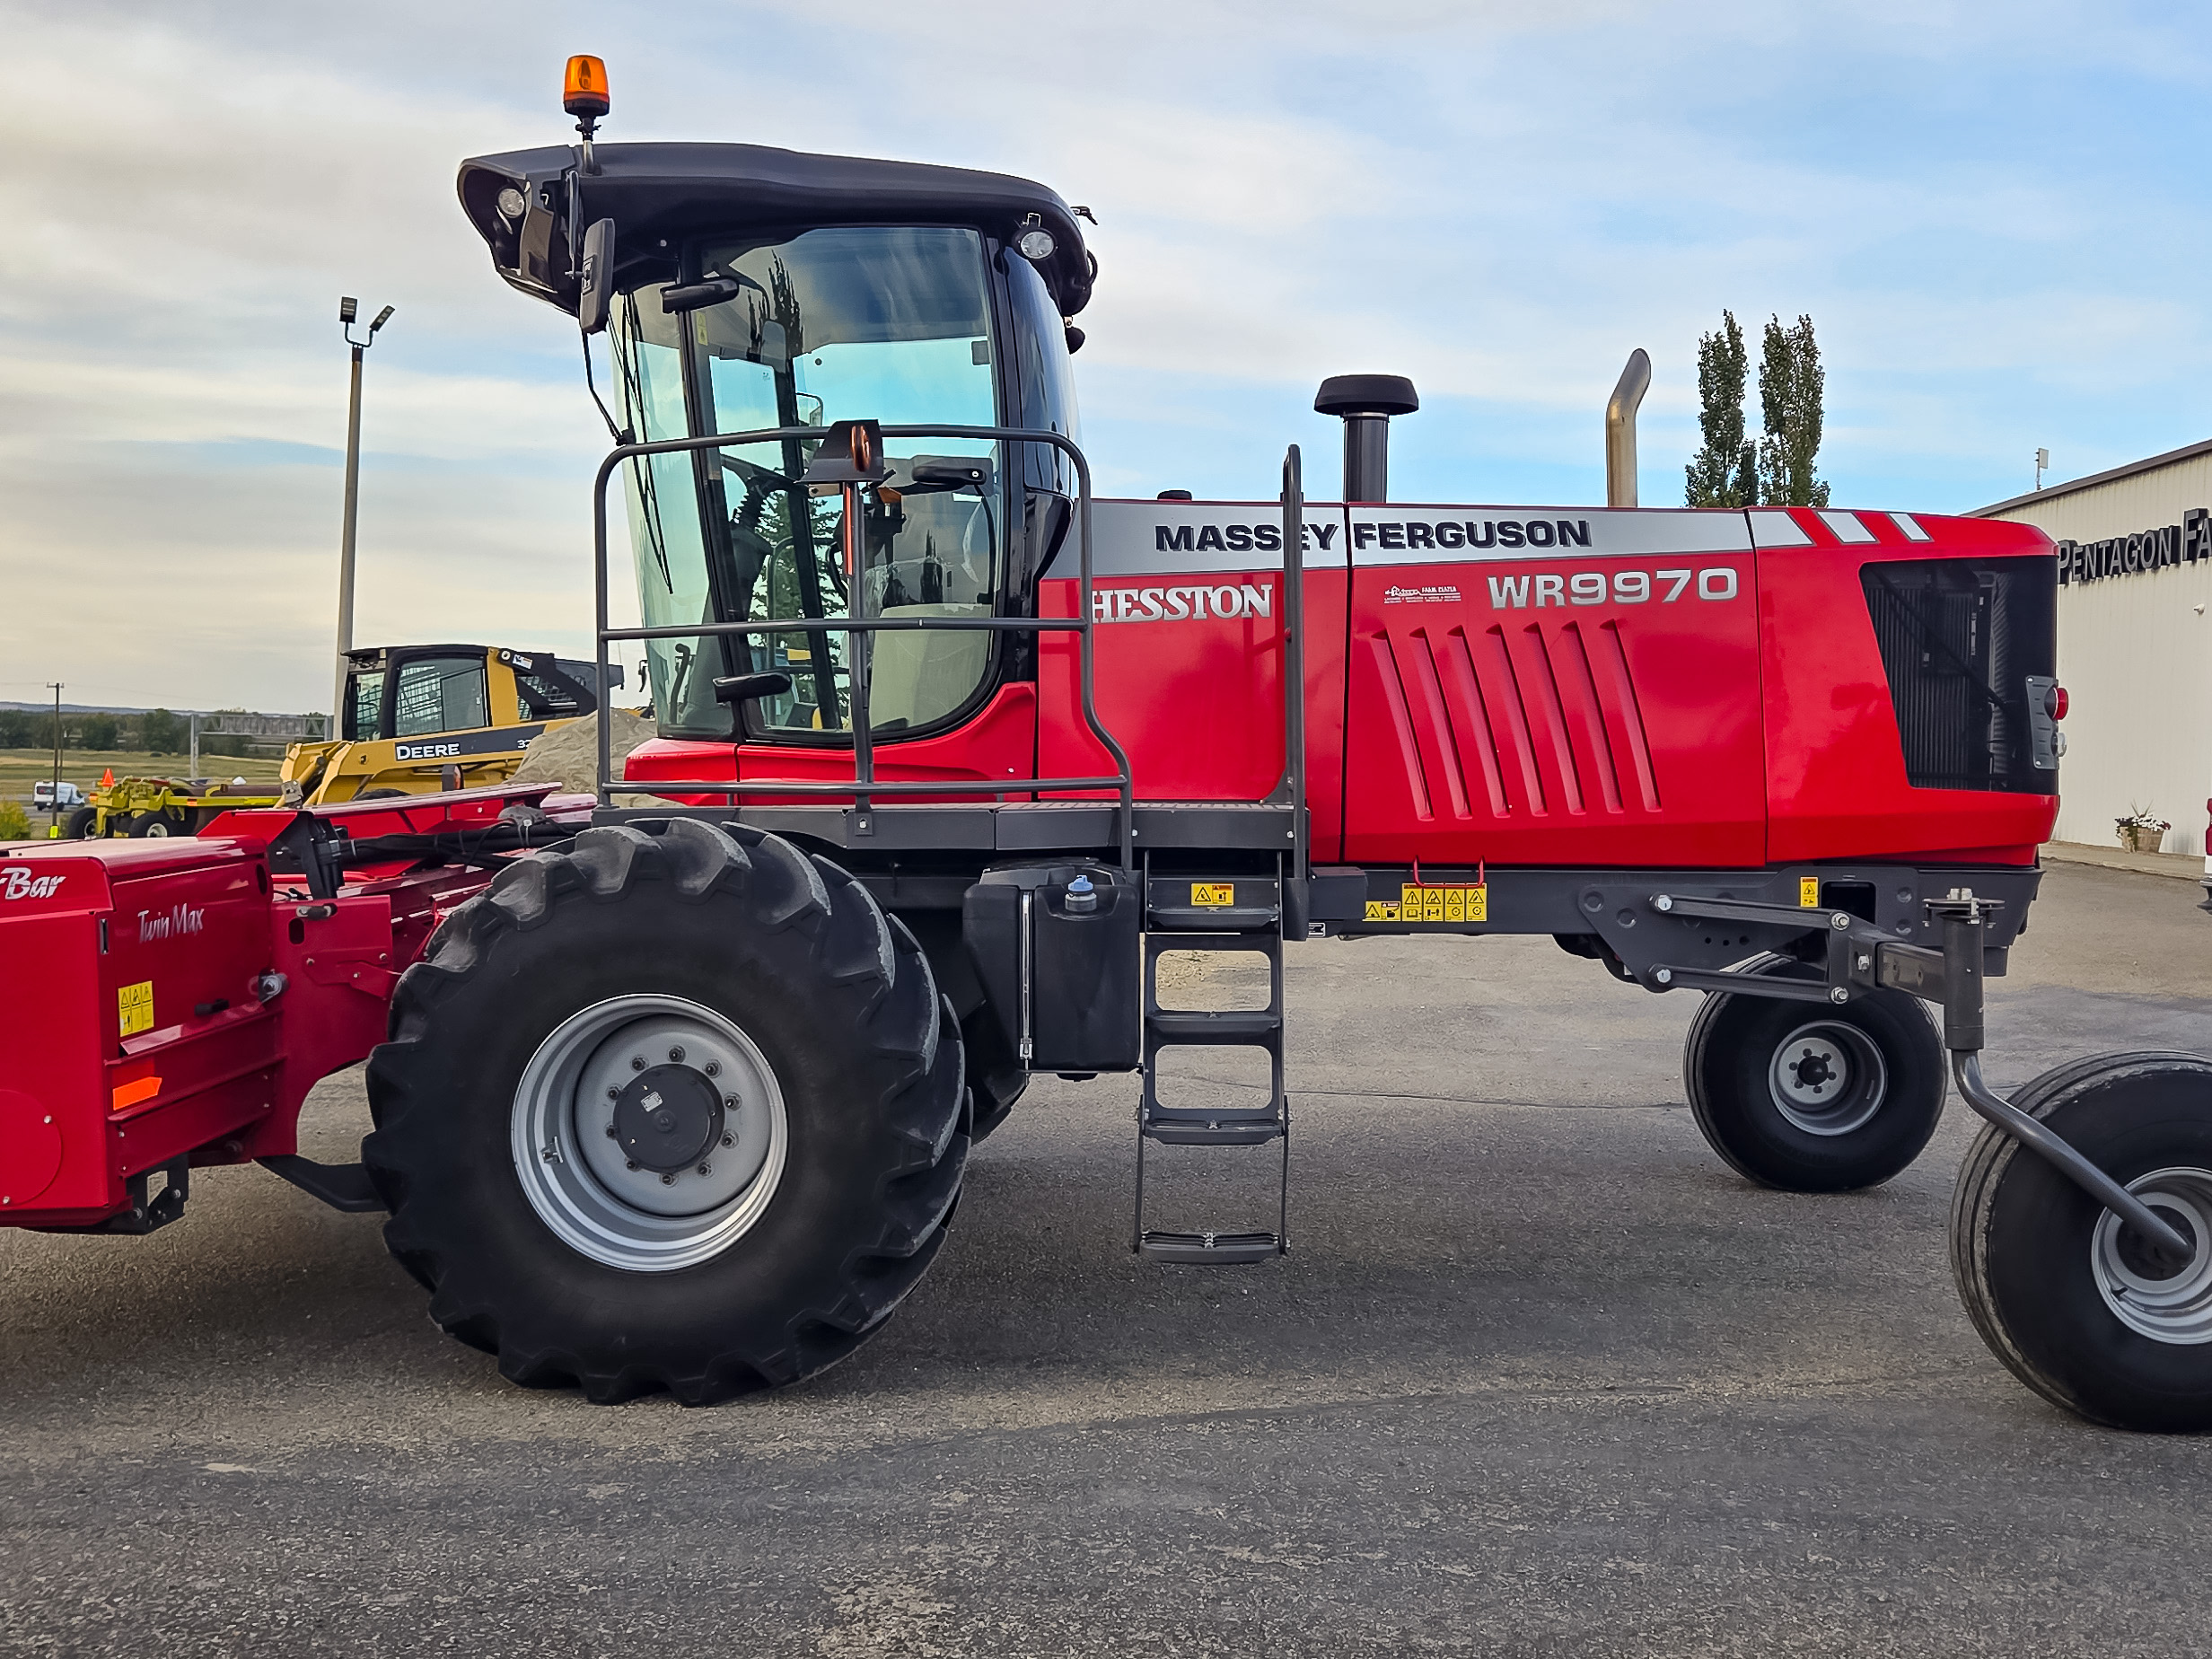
x,y
348,308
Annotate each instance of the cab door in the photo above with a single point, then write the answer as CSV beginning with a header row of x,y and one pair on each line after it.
x,y
1553,686
439,693
1187,600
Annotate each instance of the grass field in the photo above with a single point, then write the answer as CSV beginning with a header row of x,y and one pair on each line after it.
x,y
20,768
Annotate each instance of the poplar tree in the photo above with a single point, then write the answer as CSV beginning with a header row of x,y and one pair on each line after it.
x,y
1722,474
1791,387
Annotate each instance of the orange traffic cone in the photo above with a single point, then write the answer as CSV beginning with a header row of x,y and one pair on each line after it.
x,y
106,779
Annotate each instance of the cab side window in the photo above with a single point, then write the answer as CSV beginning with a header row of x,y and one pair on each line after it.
x,y
365,707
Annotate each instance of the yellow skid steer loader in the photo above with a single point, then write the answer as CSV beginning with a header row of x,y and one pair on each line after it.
x,y
421,718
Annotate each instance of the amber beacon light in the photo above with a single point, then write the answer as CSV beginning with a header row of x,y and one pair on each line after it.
x,y
583,93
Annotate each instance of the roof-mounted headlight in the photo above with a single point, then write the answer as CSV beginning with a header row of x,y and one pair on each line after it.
x,y
511,203
1036,244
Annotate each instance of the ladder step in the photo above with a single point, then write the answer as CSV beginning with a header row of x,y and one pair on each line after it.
x,y
1193,1026
1242,919
1196,1125
1211,1249
1219,905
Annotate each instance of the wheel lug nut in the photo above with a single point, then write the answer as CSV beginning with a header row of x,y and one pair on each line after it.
x,y
703,1169
668,1180
676,1052
713,1068
637,1062
630,1164
613,1093
611,1131
729,1140
729,1102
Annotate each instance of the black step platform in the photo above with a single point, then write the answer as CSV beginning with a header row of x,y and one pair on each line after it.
x,y
1010,826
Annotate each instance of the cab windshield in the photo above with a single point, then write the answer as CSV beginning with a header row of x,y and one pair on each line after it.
x,y
879,323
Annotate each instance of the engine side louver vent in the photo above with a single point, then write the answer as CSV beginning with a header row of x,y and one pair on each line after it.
x,y
1508,722
1960,640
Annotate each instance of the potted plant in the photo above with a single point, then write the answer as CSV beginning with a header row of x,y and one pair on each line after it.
x,y
2140,832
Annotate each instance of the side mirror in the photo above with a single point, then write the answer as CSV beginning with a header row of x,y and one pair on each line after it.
x,y
852,454
743,687
595,290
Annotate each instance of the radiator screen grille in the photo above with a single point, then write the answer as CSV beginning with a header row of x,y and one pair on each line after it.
x,y
1960,639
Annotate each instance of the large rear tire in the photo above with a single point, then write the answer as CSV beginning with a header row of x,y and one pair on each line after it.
x,y
2072,1301
678,1110
1814,1098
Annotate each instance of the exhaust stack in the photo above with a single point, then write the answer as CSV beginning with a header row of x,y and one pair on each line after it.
x,y
1366,402
1621,429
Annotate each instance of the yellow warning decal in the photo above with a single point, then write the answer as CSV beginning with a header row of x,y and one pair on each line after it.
x,y
1213,895
1460,903
1808,893
134,1006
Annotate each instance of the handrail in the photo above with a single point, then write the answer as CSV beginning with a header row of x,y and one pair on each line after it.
x,y
864,783
1294,685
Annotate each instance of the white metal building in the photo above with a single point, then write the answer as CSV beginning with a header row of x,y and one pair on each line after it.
x,y
2135,642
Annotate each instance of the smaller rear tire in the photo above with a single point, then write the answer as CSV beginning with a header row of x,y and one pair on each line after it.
x,y
82,825
1814,1098
2075,1303
154,825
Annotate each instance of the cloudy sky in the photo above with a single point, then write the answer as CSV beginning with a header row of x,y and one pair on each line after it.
x,y
1996,213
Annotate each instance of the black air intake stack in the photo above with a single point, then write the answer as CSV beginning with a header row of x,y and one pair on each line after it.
x,y
1366,403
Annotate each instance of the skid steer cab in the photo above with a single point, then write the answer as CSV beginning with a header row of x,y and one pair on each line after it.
x,y
952,752
420,719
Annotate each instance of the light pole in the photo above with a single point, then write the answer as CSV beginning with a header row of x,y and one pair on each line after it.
x,y
54,807
348,308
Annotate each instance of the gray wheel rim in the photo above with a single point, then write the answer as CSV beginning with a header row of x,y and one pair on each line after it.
x,y
580,1180
1828,1078
2177,1308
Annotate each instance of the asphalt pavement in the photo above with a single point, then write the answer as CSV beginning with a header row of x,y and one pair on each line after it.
x,y
1541,1374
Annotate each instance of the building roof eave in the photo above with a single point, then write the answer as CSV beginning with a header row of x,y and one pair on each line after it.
x,y
2186,452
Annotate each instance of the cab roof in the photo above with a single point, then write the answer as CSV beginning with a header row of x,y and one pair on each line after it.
x,y
659,194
